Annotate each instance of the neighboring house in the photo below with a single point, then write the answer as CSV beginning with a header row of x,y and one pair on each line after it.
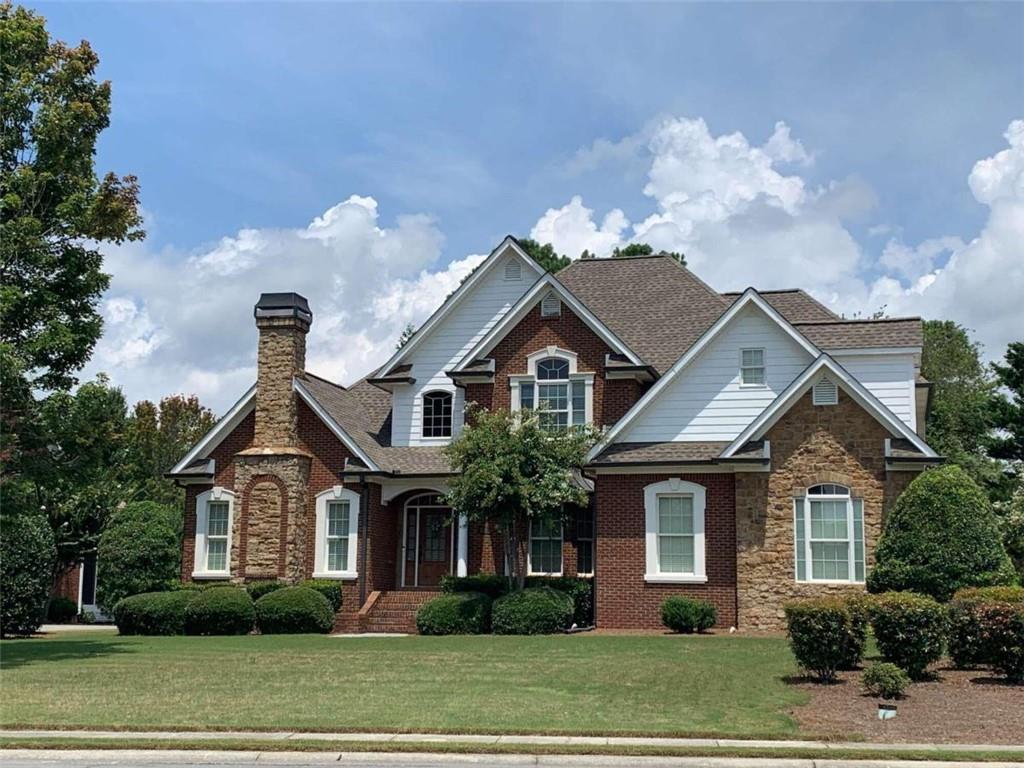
x,y
752,444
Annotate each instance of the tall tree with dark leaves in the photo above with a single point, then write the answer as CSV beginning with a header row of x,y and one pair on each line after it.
x,y
545,254
643,249
1008,406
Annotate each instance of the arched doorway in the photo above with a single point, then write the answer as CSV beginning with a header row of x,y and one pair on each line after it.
x,y
428,541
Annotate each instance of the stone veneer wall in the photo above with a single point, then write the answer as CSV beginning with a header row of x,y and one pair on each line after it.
x,y
809,445
281,356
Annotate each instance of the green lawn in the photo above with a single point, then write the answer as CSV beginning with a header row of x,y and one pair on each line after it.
x,y
727,686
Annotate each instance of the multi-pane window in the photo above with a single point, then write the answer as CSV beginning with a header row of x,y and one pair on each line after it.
x,y
437,414
336,538
559,401
829,535
676,534
217,516
752,367
585,541
545,547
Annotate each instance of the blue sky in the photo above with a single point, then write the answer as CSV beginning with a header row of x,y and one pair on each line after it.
x,y
466,122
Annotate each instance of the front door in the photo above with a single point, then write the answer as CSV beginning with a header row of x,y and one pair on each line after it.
x,y
428,541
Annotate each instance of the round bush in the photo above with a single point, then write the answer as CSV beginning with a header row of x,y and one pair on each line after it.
x,y
966,637
258,589
220,610
820,632
27,555
329,588
153,613
459,613
858,606
940,537
490,584
885,680
580,590
910,630
681,614
61,610
139,551
1003,631
293,611
534,611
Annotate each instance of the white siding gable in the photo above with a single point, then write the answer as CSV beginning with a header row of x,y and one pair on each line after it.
x,y
888,377
706,401
449,341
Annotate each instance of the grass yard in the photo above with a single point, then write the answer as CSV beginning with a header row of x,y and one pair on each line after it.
x,y
580,684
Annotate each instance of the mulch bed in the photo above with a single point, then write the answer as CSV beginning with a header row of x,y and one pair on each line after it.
x,y
966,707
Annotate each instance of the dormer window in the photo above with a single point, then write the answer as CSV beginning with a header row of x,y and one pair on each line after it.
x,y
552,388
437,414
752,368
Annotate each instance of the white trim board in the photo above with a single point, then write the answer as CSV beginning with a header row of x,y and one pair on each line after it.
x,y
750,296
220,430
523,307
332,425
799,387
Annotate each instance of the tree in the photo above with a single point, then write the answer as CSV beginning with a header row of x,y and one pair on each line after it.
x,y
643,249
158,436
407,333
544,255
26,562
510,471
54,210
139,550
1008,409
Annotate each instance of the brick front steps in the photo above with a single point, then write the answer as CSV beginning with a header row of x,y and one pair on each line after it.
x,y
392,611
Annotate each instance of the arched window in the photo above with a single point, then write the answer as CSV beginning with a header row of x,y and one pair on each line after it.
x,y
555,389
829,535
437,414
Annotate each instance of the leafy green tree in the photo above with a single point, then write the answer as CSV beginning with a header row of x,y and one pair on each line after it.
x,y
54,210
544,255
510,471
139,551
1008,408
643,249
26,572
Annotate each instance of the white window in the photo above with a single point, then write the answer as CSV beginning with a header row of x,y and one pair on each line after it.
x,y
829,535
675,531
337,533
545,553
554,389
437,414
214,516
752,372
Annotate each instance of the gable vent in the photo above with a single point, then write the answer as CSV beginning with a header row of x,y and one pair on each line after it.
x,y
513,270
550,306
825,392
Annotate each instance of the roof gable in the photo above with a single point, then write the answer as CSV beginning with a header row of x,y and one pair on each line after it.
x,y
245,405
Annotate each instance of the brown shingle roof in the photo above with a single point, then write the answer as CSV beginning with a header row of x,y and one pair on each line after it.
x,y
844,334
794,304
658,308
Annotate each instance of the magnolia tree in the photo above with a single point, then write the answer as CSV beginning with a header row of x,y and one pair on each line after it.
x,y
511,471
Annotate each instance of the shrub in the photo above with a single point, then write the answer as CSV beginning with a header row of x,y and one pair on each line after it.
x,y
293,611
681,614
966,639
580,590
61,610
258,589
533,611
940,537
329,588
220,610
819,632
153,613
859,607
490,584
457,613
1003,631
910,630
139,551
27,555
885,680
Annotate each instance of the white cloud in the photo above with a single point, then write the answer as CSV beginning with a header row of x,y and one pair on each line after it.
x,y
571,229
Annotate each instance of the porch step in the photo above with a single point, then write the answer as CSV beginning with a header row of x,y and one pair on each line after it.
x,y
393,611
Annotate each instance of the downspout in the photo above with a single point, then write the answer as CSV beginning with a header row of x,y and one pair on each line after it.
x,y
364,503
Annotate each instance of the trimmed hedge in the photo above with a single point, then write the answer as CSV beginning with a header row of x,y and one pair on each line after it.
x,y
941,536
258,589
885,680
682,614
1003,628
329,588
61,610
859,608
580,590
139,551
490,584
457,613
824,635
910,630
27,554
533,611
153,613
220,610
966,637
293,611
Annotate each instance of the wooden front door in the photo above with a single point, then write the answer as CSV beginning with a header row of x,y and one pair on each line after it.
x,y
428,542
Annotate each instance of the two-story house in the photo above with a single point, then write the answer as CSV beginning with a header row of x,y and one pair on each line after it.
x,y
751,445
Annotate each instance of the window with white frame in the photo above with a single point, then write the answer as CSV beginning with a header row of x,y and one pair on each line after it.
x,y
437,414
552,387
675,531
214,515
337,529
829,535
752,368
545,554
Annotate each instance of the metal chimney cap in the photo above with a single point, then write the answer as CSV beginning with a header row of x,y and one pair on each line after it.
x,y
283,305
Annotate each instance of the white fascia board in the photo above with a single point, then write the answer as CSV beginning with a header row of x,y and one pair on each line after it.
x,y
799,386
333,425
875,351
750,296
508,244
220,430
522,307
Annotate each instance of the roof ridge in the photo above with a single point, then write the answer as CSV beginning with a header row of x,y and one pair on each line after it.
x,y
841,320
342,387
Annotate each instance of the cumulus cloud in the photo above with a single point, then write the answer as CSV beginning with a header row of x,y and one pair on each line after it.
x,y
571,229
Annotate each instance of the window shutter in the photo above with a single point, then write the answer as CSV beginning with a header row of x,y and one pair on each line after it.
x,y
800,539
858,539
550,306
825,392
513,270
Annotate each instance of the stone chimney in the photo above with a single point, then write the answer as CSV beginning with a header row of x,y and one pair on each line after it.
x,y
283,320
